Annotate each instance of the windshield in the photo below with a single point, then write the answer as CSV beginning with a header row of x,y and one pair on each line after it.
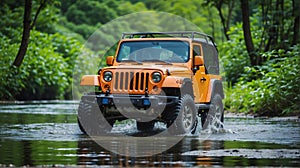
x,y
174,51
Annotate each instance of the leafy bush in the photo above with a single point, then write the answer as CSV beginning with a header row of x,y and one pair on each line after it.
x,y
276,90
11,82
42,74
10,21
234,55
46,71
90,12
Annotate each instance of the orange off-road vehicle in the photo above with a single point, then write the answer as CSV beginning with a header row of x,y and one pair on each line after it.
x,y
169,77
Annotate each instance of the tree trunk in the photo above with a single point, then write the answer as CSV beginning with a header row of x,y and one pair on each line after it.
x,y
225,28
27,26
296,21
247,33
26,34
230,10
281,26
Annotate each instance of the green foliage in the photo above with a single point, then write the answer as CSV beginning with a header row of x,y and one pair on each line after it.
x,y
90,12
47,71
271,88
85,30
11,21
46,19
11,15
276,20
127,8
234,55
276,89
83,16
42,74
70,50
10,81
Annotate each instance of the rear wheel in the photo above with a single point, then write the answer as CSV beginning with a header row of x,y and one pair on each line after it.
x,y
215,116
182,118
91,121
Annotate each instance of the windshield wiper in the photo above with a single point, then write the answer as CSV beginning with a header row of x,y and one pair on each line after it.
x,y
157,60
138,62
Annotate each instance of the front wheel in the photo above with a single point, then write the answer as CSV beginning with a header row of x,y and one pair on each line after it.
x,y
90,119
183,116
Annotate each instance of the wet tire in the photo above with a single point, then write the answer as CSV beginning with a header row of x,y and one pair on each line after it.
x,y
203,117
215,116
182,118
91,121
80,126
145,126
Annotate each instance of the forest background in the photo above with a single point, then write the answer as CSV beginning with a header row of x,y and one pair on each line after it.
x,y
258,42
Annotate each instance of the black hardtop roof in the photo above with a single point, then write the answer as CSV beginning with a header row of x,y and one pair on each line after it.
x,y
193,35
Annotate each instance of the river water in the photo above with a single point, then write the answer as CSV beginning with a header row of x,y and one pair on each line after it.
x,y
45,133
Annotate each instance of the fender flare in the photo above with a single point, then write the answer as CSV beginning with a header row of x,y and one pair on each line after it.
x,y
187,87
216,87
184,84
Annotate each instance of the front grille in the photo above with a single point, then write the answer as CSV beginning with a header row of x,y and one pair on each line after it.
x,y
130,81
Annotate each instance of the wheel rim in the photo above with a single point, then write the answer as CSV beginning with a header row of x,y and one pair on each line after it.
x,y
187,118
216,118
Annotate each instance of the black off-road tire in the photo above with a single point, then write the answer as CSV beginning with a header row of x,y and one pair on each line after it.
x,y
145,126
215,116
91,121
183,117
203,117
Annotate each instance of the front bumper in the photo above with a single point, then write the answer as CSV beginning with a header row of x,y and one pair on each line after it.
x,y
139,107
138,101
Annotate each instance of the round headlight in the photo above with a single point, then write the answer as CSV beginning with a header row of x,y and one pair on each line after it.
x,y
107,76
156,77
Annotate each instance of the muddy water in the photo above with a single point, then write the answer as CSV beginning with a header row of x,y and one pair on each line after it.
x,y
46,133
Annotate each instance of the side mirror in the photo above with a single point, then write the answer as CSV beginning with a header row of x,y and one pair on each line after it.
x,y
198,60
110,60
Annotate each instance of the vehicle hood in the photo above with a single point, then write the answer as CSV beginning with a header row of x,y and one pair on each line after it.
x,y
173,69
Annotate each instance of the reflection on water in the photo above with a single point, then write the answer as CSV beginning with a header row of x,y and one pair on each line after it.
x,y
87,152
32,153
47,134
90,153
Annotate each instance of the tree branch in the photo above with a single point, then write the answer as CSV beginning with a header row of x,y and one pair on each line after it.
x,y
25,36
27,26
42,5
219,7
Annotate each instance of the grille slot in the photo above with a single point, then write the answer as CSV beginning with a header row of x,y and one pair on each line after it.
x,y
131,81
